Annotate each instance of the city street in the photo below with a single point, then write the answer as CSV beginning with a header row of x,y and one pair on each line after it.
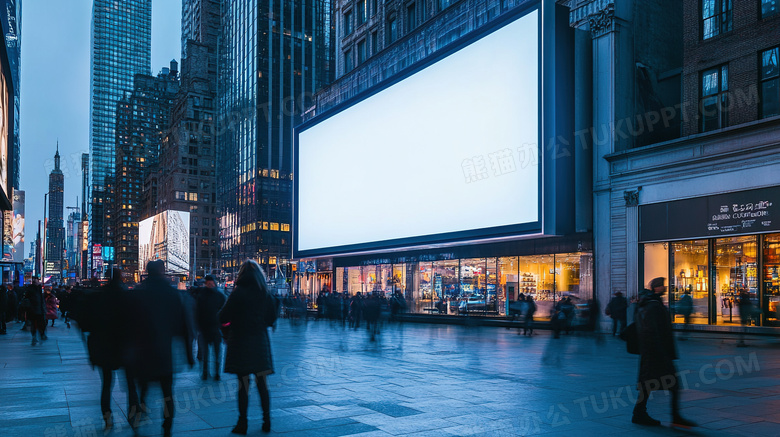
x,y
415,380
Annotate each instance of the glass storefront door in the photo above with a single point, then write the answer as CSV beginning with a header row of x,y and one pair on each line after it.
x,y
771,280
735,275
508,285
446,286
689,261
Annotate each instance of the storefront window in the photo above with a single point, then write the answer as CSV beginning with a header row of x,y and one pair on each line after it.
x,y
537,279
490,287
736,273
656,266
508,285
424,295
385,280
476,286
399,278
445,285
771,275
689,267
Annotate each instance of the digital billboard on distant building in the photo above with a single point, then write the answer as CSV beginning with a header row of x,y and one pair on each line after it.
x,y
17,227
166,237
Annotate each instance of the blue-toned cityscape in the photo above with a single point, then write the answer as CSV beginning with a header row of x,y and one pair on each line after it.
x,y
516,195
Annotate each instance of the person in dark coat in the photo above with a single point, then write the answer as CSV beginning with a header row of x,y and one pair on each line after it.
x,y
12,305
156,316
208,301
617,309
35,310
52,303
657,353
250,311
530,310
103,319
3,309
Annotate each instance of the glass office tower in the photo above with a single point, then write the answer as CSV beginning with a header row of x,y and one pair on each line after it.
x,y
273,57
121,48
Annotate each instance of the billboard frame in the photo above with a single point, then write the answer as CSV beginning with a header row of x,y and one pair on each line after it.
x,y
555,95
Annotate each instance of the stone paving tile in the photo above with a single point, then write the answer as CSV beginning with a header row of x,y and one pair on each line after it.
x,y
416,380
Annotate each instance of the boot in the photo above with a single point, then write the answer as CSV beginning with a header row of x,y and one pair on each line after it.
x,y
241,426
266,421
644,419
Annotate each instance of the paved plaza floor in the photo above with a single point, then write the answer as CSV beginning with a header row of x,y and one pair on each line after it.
x,y
415,380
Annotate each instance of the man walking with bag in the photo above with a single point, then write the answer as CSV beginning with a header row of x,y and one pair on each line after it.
x,y
657,354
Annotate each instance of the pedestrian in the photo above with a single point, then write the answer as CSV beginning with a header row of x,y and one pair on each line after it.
x,y
657,353
12,305
52,304
528,327
250,311
103,319
156,316
4,303
34,310
745,314
208,301
617,309
685,307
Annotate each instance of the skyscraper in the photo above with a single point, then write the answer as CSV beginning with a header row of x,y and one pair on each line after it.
x,y
55,229
12,28
141,120
273,57
121,48
187,180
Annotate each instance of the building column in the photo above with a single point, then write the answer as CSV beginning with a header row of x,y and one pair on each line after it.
x,y
632,245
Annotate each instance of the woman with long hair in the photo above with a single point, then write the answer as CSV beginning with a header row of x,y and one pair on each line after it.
x,y
249,311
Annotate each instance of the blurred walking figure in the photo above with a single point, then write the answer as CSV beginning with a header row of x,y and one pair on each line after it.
x,y
102,317
617,309
208,302
657,354
4,304
685,307
52,304
250,310
12,305
34,308
746,313
530,310
156,315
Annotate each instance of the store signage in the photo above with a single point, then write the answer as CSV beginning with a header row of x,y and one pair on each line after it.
x,y
743,212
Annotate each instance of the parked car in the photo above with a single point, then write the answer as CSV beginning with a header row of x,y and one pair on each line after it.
x,y
476,302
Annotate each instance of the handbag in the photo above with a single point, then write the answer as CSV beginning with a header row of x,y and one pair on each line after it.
x,y
631,336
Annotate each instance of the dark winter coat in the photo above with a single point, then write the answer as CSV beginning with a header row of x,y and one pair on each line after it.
x,y
35,295
656,342
208,302
11,306
156,315
248,345
4,300
618,306
104,316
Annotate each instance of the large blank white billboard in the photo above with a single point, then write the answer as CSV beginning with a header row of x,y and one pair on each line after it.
x,y
448,152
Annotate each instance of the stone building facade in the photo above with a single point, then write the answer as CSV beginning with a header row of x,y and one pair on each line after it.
x,y
697,209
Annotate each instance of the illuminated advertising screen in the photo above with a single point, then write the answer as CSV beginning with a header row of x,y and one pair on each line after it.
x,y
4,122
17,226
166,237
444,154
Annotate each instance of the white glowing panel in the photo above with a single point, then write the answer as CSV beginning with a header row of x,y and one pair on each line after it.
x,y
451,148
